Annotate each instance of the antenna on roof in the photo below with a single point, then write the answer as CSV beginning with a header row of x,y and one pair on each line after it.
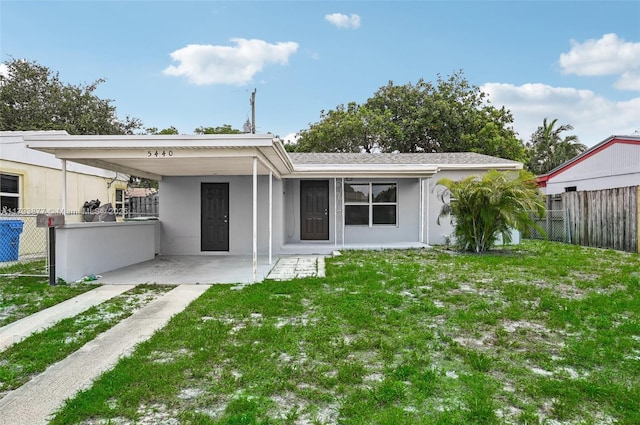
x,y
253,111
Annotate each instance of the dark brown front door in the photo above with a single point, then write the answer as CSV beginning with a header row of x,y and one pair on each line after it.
x,y
214,226
314,210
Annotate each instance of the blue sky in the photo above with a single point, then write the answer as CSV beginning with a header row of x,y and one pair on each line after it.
x,y
195,63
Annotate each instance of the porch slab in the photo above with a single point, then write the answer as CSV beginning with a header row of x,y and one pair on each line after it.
x,y
325,248
190,269
288,268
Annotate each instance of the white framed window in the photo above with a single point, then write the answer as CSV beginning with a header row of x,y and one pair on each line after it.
x,y
9,193
119,204
370,204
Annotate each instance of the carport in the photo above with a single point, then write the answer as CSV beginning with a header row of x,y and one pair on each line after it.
x,y
157,157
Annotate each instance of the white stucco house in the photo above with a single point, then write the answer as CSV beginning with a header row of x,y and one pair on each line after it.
x,y
30,183
245,195
612,163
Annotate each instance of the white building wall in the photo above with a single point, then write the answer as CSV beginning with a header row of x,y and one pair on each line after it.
x,y
618,165
92,248
180,214
438,233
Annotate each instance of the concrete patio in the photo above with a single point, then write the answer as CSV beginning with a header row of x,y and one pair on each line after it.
x,y
210,269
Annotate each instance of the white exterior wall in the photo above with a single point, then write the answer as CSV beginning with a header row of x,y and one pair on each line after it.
x,y
439,232
180,214
41,178
406,230
618,165
92,248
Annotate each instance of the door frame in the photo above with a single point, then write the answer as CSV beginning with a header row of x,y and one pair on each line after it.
x,y
324,238
225,246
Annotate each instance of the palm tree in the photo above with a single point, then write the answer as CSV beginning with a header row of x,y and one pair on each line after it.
x,y
548,149
484,208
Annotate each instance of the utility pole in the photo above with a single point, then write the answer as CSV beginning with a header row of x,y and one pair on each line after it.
x,y
253,111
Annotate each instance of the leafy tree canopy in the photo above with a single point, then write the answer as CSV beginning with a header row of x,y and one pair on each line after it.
x,y
154,130
547,148
224,129
484,208
448,116
32,97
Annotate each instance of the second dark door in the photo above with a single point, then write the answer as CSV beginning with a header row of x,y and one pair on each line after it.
x,y
314,210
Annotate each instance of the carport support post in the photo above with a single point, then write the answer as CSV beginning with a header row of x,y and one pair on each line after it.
x,y
255,218
270,215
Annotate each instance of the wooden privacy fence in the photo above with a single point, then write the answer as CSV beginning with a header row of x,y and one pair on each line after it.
x,y
605,218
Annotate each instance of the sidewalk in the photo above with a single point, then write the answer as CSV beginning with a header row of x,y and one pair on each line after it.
x,y
20,329
34,402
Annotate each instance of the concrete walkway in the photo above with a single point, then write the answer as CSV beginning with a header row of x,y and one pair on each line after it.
x,y
34,402
298,266
20,329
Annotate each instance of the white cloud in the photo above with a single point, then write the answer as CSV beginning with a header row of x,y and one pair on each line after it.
x,y
593,117
608,55
344,21
291,138
209,64
4,70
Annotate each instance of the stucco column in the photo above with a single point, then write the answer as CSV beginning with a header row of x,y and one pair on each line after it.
x,y
421,210
64,187
428,215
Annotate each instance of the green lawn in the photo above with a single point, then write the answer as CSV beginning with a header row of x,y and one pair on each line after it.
x,y
22,294
31,356
541,333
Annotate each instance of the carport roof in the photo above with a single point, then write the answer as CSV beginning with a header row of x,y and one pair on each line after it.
x,y
156,156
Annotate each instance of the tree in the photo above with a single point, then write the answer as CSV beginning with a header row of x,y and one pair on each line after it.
x,y
450,116
484,208
352,128
32,97
224,129
547,149
155,131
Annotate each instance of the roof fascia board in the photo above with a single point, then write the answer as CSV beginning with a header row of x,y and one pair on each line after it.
x,y
177,152
368,168
364,170
464,167
147,141
279,149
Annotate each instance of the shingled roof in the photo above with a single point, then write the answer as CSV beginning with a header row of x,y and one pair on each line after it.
x,y
448,158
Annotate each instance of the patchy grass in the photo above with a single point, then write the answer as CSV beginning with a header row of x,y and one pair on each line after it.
x,y
21,361
21,296
542,333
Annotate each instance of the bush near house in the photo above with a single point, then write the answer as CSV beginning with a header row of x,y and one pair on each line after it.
x,y
488,207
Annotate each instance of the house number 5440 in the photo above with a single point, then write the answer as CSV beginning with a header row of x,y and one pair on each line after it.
x,y
159,154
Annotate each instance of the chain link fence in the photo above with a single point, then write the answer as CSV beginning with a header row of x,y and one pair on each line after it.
x,y
21,241
555,224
